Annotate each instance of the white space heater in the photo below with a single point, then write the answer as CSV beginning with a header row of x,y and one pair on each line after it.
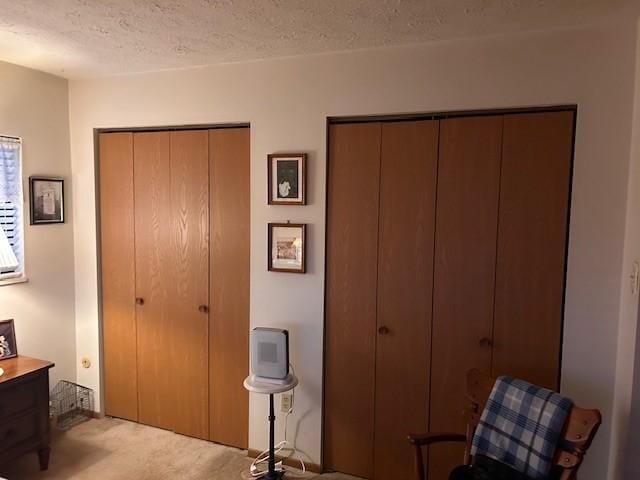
x,y
270,354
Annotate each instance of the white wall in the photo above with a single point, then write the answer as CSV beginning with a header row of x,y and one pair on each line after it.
x,y
628,342
626,465
34,106
287,102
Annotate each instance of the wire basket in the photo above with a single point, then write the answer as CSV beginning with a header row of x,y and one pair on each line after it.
x,y
71,404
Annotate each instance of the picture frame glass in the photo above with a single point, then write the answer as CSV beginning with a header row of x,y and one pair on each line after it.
x,y
287,183
47,200
287,247
8,346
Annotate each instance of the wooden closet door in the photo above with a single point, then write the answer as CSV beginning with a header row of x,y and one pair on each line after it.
x,y
189,274
171,226
350,328
229,282
532,239
464,277
154,285
118,275
409,159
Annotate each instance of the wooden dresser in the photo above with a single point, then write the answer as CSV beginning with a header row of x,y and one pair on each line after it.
x,y
24,409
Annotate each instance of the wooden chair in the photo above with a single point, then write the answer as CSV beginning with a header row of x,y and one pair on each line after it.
x,y
580,429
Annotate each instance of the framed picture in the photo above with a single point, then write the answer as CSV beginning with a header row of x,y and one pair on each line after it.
x,y
8,347
46,199
287,247
287,178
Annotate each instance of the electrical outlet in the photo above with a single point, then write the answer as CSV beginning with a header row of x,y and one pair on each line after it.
x,y
286,402
86,362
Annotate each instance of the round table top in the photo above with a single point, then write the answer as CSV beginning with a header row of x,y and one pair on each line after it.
x,y
258,385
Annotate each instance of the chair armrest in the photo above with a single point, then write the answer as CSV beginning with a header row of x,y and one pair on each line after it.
x,y
429,438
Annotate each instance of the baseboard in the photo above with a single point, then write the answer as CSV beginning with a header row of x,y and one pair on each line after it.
x,y
291,462
95,414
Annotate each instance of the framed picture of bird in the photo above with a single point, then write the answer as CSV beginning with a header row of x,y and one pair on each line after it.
x,y
287,178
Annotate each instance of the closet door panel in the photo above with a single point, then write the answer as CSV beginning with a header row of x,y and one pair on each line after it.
x,y
534,199
154,256
464,277
189,274
409,159
229,318
118,275
350,329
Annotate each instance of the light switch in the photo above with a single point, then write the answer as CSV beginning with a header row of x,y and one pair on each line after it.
x,y
635,278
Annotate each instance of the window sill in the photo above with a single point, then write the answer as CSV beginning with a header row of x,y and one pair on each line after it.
x,y
13,281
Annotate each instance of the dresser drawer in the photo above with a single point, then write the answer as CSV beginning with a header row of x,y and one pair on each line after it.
x,y
18,399
18,430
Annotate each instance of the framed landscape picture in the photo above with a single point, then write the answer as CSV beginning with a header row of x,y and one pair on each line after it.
x,y
287,247
8,347
46,199
287,178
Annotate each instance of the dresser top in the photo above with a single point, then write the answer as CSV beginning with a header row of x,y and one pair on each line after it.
x,y
18,366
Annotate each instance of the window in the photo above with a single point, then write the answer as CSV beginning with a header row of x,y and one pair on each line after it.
x,y
11,240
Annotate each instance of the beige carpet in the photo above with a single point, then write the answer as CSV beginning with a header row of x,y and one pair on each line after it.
x,y
112,449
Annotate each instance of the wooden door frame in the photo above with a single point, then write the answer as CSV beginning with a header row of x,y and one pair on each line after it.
x,y
440,115
98,231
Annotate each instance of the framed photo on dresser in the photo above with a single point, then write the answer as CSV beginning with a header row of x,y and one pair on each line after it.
x,y
287,178
8,346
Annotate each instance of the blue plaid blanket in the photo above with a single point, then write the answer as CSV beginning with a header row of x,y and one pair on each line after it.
x,y
521,426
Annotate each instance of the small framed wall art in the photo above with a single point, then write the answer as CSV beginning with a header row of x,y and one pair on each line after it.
x,y
287,247
8,347
287,178
46,199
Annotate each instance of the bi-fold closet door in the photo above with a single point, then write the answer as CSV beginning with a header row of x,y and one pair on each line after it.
x,y
446,246
464,274
501,239
172,279
175,266
382,195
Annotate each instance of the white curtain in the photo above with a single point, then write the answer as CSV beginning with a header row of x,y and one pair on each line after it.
x,y
10,205
8,260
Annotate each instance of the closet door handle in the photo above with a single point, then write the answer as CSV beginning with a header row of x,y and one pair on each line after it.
x,y
485,342
383,330
203,309
139,301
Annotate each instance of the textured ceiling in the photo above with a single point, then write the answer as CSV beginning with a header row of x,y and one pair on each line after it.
x,y
80,38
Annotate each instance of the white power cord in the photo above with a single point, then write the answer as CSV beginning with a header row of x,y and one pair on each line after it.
x,y
264,456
